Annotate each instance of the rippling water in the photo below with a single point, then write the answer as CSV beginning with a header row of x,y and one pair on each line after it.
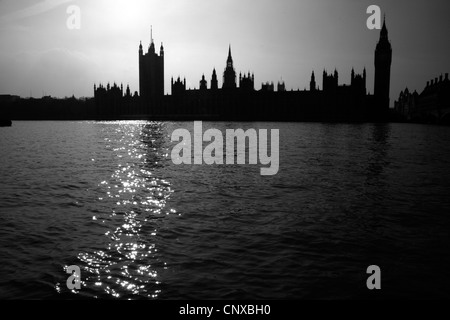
x,y
106,197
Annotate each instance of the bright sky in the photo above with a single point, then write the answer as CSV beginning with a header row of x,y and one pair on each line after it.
x,y
284,39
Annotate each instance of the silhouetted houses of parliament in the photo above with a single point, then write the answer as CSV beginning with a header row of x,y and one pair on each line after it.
x,y
238,99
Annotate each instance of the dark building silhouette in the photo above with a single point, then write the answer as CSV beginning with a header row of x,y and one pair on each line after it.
x,y
151,72
358,82
383,61
229,75
432,105
238,99
48,108
112,103
247,82
214,81
406,105
203,84
312,84
330,81
268,87
178,87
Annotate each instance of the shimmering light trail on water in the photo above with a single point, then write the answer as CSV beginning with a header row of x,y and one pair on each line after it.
x,y
128,265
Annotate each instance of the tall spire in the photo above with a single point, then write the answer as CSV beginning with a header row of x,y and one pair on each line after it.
x,y
383,62
384,31
151,49
151,34
230,58
229,76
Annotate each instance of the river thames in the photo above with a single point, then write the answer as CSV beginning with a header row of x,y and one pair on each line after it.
x,y
106,196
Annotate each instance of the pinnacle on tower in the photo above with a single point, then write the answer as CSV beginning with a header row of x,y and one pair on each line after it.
x,y
230,58
384,31
151,34
151,48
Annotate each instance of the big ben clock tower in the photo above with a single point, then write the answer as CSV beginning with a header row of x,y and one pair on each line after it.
x,y
383,61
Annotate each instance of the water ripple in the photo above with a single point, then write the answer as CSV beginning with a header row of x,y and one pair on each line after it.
x,y
105,196
129,265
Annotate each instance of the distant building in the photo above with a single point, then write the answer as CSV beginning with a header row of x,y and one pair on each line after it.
x,y
7,98
247,82
432,105
268,87
407,104
112,103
